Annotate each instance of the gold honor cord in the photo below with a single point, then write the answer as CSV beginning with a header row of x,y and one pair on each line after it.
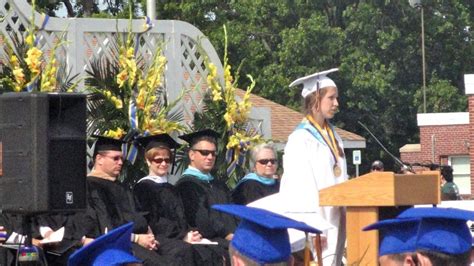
x,y
331,142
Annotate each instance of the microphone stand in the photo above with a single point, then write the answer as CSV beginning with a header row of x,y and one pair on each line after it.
x,y
403,165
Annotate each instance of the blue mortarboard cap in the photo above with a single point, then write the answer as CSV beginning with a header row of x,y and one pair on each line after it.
x,y
434,212
397,235
262,235
442,229
113,248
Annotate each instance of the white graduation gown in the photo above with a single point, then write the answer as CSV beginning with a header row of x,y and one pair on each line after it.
x,y
308,168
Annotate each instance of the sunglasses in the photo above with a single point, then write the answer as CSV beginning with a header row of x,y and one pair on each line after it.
x,y
206,152
114,158
266,161
161,160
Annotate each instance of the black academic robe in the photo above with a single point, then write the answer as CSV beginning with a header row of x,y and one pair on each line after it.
x,y
11,223
110,205
165,211
167,219
198,196
252,190
58,253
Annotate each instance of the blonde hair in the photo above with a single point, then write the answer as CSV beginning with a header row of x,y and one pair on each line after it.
x,y
151,153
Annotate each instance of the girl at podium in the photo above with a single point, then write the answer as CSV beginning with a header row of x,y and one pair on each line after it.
x,y
314,159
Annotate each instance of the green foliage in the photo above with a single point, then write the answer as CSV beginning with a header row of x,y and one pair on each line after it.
x,y
441,96
376,44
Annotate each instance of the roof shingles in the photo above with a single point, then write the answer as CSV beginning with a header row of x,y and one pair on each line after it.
x,y
284,120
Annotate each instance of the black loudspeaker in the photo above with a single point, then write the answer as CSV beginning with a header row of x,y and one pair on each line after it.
x,y
43,157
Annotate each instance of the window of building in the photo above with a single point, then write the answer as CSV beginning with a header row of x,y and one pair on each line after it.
x,y
461,173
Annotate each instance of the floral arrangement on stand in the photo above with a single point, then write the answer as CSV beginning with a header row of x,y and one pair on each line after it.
x,y
128,98
230,118
28,69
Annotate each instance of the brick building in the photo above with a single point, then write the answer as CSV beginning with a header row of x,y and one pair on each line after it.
x,y
445,139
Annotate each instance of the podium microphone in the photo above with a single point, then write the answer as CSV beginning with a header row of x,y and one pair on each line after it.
x,y
402,164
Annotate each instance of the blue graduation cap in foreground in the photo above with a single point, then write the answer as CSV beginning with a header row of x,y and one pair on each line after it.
x,y
262,235
113,248
442,230
398,235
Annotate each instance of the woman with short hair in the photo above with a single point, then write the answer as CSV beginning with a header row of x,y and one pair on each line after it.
x,y
261,182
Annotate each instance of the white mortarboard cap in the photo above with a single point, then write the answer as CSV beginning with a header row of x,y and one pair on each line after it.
x,y
315,82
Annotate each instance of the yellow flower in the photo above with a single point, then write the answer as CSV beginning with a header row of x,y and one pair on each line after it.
x,y
115,134
29,40
14,60
141,99
19,75
117,102
122,78
33,60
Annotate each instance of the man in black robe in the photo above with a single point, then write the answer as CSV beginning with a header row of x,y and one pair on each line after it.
x,y
110,205
199,190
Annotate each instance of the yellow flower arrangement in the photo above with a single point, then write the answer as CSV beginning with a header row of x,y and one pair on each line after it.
x,y
135,101
31,71
236,113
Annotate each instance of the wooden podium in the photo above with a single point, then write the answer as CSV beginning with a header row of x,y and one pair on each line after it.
x,y
365,194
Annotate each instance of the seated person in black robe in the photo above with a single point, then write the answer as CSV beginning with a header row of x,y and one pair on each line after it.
x,y
57,253
9,223
261,182
161,201
199,190
110,205
40,226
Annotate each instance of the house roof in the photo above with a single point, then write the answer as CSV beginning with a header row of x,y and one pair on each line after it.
x,y
284,120
410,148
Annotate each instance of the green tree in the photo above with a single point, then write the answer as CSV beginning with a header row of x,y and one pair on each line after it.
x,y
376,44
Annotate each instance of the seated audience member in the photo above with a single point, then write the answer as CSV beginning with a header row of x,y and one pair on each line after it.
x,y
113,248
161,201
377,166
199,190
449,190
110,205
156,195
47,227
262,236
261,182
425,236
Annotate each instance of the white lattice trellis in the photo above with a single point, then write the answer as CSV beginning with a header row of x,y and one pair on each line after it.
x,y
88,37
184,46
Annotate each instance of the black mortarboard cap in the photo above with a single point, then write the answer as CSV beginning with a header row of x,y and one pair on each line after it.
x,y
156,141
192,138
107,144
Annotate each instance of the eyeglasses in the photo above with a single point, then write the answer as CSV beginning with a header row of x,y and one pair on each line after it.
x,y
266,161
161,160
115,158
206,152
